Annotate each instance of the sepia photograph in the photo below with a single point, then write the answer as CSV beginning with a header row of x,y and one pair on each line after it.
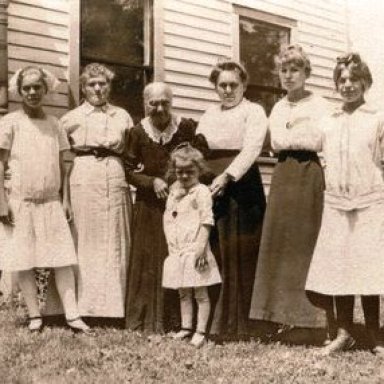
x,y
192,191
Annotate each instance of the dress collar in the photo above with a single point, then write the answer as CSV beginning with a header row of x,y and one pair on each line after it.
x,y
106,108
364,108
160,136
179,192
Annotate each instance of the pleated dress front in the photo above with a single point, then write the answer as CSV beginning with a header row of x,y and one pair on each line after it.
x,y
235,138
293,216
102,208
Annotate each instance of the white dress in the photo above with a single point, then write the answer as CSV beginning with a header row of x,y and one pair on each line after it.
x,y
184,215
41,236
102,208
349,257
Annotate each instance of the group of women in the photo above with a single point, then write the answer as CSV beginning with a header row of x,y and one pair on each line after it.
x,y
313,247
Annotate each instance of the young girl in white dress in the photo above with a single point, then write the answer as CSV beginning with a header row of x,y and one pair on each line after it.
x,y
35,228
188,218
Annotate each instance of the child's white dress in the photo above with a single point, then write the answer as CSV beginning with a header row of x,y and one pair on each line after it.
x,y
41,236
185,214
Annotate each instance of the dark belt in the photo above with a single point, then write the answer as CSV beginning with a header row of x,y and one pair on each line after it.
x,y
220,153
95,151
298,155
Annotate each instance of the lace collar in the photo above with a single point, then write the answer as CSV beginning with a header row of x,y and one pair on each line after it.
x,y
158,136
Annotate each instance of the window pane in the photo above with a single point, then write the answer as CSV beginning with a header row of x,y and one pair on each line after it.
x,y
113,31
260,44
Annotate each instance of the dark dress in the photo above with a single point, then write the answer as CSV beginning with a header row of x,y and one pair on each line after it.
x,y
149,307
235,137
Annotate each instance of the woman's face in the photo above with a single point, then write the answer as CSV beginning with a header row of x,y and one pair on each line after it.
x,y
32,90
158,106
187,173
350,87
96,90
230,88
292,77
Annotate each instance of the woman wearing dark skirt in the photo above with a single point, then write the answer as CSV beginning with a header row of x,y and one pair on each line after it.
x,y
295,203
235,131
149,307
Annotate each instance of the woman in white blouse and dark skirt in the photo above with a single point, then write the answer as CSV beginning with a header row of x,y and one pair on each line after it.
x,y
295,203
235,131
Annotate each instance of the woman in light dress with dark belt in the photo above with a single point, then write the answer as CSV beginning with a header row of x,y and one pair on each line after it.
x,y
235,131
100,196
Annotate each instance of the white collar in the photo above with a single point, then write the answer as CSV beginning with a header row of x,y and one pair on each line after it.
x,y
160,136
106,108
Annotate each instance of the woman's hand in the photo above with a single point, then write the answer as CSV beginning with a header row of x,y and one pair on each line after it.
x,y
219,183
6,216
201,262
68,212
161,188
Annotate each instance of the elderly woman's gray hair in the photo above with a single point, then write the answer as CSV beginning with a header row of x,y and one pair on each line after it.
x,y
228,65
358,68
96,70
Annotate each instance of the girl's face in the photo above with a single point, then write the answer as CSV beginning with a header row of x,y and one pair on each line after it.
x,y
96,90
187,173
32,90
350,87
230,88
292,77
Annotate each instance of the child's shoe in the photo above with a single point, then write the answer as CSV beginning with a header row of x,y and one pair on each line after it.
x,y
182,334
198,339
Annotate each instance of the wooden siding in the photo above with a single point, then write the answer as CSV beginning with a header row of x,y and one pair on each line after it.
x,y
197,32
38,33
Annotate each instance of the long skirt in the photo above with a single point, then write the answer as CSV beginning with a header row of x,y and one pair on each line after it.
x,y
291,227
349,254
235,242
149,307
102,208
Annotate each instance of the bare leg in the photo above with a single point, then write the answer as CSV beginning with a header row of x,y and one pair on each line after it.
x,y
204,308
28,288
186,309
65,283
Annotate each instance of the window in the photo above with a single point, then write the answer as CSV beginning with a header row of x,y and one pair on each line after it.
x,y
261,36
118,33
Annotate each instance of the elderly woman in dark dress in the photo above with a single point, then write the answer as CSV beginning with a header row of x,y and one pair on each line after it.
x,y
235,131
148,307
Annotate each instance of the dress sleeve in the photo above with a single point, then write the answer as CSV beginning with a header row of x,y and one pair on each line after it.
x,y
6,133
133,161
62,136
255,132
205,206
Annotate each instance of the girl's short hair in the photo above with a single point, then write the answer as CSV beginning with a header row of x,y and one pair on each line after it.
x,y
357,67
186,152
31,69
294,54
96,70
228,65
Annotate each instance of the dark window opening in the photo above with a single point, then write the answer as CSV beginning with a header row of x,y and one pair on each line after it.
x,y
118,33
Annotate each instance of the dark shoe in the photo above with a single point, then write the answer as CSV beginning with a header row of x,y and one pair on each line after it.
x,y
35,324
343,342
77,325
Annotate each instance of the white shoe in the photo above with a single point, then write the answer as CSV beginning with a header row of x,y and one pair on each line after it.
x,y
182,334
198,340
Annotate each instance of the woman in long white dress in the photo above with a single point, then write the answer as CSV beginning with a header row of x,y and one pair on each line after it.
x,y
100,196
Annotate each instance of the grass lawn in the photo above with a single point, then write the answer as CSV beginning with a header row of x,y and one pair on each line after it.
x,y
119,356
